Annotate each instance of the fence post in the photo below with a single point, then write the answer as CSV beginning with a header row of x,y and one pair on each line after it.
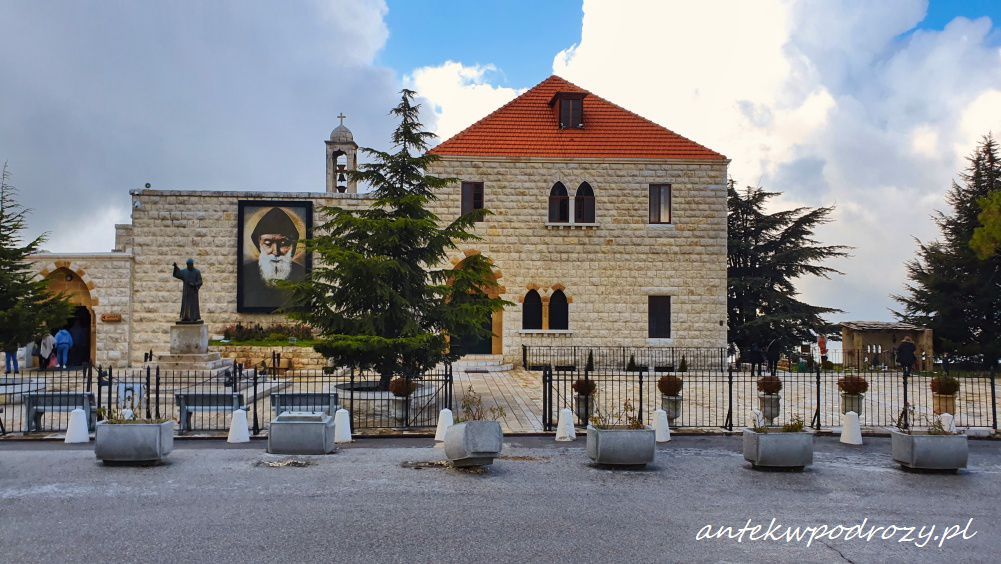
x,y
351,400
253,398
99,370
406,402
816,416
157,392
728,424
905,415
90,378
588,398
149,414
994,398
524,357
547,398
109,389
640,415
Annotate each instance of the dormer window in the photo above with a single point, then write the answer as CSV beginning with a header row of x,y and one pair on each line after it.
x,y
569,107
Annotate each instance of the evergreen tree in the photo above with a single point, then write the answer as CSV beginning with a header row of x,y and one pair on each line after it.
x,y
951,290
987,237
382,294
27,308
766,253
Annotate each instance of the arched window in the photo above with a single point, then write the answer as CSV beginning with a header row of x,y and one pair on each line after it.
x,y
531,311
583,204
559,204
559,313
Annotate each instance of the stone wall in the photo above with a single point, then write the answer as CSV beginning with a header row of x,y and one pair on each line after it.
x,y
301,358
609,270
171,226
105,291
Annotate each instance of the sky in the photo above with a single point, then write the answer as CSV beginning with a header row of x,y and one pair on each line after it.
x,y
868,106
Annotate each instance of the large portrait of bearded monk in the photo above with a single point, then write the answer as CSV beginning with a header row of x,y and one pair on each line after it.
x,y
271,247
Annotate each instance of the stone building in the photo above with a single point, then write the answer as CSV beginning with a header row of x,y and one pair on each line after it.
x,y
867,342
606,229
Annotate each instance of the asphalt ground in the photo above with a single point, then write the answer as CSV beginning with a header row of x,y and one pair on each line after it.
x,y
392,500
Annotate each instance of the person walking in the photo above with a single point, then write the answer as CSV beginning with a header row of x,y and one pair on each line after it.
x,y
905,355
757,358
64,342
46,348
772,353
10,356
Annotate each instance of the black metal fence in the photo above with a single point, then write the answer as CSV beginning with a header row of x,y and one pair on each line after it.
x,y
719,392
204,401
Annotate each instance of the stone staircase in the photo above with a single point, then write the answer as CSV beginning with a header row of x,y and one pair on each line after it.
x,y
482,363
211,362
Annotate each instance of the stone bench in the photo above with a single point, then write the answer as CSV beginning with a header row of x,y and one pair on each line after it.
x,y
188,403
318,402
37,404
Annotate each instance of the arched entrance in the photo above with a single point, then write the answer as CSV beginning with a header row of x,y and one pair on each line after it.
x,y
492,343
82,325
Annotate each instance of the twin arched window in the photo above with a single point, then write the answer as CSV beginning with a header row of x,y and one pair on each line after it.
x,y
559,312
559,204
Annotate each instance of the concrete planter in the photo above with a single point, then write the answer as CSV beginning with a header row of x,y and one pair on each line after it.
x,y
583,406
941,403
297,432
770,406
672,405
929,452
852,402
133,442
398,408
778,450
621,446
474,443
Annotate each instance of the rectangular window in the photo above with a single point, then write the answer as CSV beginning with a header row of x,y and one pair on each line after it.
x,y
660,203
571,113
472,196
659,317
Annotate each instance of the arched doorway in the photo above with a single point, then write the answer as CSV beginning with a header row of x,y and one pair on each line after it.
x,y
82,325
486,343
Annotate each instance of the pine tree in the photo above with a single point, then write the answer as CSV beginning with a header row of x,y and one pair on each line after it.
x,y
382,294
27,308
986,238
766,253
951,290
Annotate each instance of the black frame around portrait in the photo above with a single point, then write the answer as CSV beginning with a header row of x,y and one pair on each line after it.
x,y
306,205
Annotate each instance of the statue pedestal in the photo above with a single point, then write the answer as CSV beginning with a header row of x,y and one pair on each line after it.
x,y
189,338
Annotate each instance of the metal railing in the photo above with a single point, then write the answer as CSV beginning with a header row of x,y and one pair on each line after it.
x,y
203,401
719,392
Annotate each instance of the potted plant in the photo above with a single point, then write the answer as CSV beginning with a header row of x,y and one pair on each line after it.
x,y
670,395
631,366
584,392
853,389
123,438
769,400
401,388
474,440
944,389
789,446
620,439
935,448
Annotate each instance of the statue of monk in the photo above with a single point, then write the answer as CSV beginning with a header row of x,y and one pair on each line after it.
x,y
189,297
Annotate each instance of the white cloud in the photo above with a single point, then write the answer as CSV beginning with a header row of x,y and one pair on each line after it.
x,y
457,94
838,102
87,234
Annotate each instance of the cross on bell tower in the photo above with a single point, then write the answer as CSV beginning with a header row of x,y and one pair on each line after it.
x,y
342,157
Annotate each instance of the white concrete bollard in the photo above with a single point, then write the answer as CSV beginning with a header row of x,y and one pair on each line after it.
x,y
238,430
76,431
342,426
444,422
851,429
564,427
948,422
757,419
661,426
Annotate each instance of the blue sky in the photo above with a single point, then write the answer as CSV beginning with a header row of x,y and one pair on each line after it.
x,y
867,105
519,37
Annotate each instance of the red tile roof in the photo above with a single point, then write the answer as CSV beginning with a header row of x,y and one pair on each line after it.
x,y
527,127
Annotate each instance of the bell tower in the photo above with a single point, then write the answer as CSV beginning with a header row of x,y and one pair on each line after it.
x,y
342,156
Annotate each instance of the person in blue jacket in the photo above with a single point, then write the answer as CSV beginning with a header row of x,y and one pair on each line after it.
x,y
64,342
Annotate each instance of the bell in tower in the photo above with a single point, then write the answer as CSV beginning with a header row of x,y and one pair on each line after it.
x,y
342,156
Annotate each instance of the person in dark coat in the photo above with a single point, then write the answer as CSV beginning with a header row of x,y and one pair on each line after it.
x,y
772,353
756,357
905,355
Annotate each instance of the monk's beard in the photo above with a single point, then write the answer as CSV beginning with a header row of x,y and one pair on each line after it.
x,y
274,268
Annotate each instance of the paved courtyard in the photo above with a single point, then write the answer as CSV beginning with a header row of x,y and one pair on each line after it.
x,y
375,501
